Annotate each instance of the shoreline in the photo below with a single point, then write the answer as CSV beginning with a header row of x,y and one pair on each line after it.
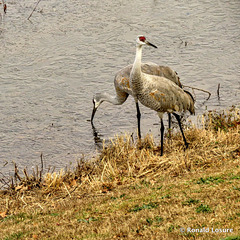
x,y
130,192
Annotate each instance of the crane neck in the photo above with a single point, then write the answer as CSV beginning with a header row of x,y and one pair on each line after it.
x,y
111,99
138,60
136,80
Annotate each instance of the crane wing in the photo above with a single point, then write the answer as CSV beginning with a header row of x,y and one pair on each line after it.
x,y
161,94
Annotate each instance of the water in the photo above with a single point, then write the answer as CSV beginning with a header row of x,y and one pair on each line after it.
x,y
52,65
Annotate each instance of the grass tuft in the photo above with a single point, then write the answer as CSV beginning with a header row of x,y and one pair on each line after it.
x,y
129,191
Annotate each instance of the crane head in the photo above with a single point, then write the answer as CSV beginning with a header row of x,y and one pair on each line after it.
x,y
97,100
141,40
93,111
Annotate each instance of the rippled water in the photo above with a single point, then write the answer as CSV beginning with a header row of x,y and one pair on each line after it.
x,y
52,65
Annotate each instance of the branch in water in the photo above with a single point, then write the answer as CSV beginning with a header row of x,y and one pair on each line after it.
x,y
34,9
209,94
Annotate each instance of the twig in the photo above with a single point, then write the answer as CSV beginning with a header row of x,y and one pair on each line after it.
x,y
23,200
67,190
40,205
34,9
218,91
185,42
53,169
25,173
200,90
12,183
103,172
4,182
132,137
41,171
16,173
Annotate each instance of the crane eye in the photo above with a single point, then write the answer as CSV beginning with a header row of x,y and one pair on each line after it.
x,y
142,39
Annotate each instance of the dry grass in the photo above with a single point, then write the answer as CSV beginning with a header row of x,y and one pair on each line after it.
x,y
130,192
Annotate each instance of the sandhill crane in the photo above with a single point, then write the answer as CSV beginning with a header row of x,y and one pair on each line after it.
x,y
123,90
158,93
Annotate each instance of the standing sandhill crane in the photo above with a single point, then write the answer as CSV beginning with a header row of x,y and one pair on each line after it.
x,y
123,89
158,93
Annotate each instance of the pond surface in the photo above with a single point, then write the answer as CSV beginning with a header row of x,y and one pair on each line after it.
x,y
52,65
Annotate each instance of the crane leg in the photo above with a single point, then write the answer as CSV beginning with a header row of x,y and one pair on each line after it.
x,y
180,125
162,131
138,119
169,120
169,124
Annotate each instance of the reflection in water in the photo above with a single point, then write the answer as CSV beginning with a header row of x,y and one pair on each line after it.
x,y
97,137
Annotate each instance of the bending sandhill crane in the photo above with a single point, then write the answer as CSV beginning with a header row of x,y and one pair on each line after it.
x,y
158,93
123,90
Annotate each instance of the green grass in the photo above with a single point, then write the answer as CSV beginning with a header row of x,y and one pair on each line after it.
x,y
209,180
15,236
231,238
203,208
190,202
150,205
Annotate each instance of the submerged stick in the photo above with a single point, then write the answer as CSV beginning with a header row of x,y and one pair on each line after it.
x,y
209,94
34,9
218,91
4,6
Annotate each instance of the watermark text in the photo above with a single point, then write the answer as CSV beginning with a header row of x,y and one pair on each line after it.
x,y
206,230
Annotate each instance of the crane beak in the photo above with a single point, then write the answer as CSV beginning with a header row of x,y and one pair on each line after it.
x,y
150,44
93,113
96,104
